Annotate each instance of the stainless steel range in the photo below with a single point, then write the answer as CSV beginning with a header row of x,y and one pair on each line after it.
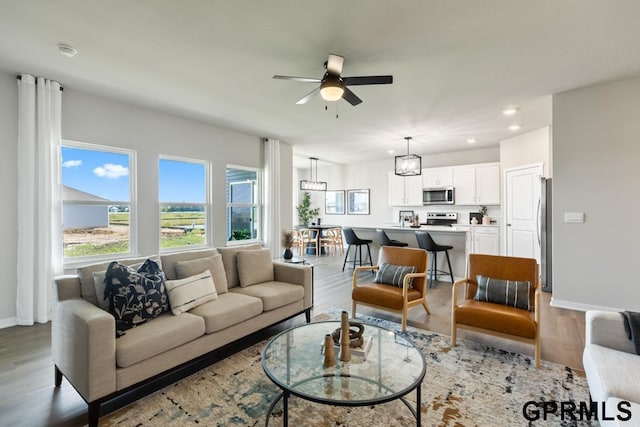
x,y
441,218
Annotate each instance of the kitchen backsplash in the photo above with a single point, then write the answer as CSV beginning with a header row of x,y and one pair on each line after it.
x,y
494,212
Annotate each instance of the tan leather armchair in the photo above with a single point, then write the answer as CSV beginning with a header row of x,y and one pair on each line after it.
x,y
497,319
389,297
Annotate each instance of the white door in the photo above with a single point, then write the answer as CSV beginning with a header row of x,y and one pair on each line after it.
x,y
522,201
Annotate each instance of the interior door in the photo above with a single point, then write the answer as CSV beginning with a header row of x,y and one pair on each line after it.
x,y
522,207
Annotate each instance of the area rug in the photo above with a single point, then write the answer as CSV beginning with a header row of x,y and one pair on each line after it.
x,y
467,385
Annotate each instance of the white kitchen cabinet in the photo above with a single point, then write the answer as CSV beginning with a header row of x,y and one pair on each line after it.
x,y
481,239
437,177
405,190
477,184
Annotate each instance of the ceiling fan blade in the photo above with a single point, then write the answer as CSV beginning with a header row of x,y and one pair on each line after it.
x,y
367,80
309,96
334,64
299,79
351,97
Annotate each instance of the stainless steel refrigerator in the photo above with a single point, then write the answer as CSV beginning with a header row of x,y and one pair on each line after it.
x,y
544,233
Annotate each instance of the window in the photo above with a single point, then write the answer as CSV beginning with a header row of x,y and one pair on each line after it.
x,y
183,194
98,208
243,203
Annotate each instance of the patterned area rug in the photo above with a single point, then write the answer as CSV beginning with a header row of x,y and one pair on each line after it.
x,y
468,385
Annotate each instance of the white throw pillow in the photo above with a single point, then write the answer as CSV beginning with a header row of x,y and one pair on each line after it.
x,y
254,267
190,292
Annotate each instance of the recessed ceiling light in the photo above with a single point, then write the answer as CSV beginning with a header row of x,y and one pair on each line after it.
x,y
471,140
67,50
510,111
390,151
514,127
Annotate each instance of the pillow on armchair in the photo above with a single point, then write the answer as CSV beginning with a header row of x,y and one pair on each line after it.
x,y
390,274
513,293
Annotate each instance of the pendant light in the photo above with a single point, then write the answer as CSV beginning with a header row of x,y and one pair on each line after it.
x,y
313,184
409,164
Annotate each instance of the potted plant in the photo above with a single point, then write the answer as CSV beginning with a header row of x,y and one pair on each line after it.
x,y
287,242
486,220
305,213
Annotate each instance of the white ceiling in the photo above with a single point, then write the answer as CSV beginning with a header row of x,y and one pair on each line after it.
x,y
455,64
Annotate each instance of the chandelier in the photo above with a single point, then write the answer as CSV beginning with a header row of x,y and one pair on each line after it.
x,y
313,184
409,164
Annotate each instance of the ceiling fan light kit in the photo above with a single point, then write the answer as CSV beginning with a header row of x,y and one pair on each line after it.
x,y
409,164
331,88
313,184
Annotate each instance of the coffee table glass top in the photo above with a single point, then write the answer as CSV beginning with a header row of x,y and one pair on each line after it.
x,y
392,368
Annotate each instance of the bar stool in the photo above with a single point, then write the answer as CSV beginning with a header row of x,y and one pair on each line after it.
x,y
386,241
425,241
353,240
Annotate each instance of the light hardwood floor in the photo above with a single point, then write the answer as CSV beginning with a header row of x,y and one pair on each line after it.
x,y
29,398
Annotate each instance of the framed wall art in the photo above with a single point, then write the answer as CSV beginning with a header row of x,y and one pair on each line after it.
x,y
334,202
358,202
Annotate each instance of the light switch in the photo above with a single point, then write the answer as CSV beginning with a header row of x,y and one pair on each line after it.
x,y
575,217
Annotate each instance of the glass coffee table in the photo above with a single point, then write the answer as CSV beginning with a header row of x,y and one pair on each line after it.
x,y
393,367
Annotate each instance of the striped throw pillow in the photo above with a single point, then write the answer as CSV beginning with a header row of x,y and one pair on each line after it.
x,y
507,292
390,274
190,292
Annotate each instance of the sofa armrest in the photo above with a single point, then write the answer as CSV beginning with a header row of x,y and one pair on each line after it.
x,y
606,328
297,274
67,287
83,347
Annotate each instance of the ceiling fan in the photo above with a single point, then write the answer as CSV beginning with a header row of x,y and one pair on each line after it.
x,y
333,86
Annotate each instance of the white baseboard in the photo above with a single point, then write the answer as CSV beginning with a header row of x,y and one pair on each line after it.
x,y
579,306
7,323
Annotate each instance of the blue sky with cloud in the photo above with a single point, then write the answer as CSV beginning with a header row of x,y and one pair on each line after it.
x,y
106,175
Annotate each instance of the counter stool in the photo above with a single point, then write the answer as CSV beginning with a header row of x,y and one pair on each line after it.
x,y
386,241
425,241
353,240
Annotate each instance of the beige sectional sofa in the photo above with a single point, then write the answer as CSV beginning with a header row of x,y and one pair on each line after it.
x,y
612,368
100,367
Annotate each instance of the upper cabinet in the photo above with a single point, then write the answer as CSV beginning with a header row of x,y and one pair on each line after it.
x,y
437,177
477,184
405,190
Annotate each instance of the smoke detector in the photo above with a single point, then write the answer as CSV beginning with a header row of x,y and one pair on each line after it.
x,y
67,50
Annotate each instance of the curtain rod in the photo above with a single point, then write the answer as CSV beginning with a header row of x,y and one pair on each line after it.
x,y
19,77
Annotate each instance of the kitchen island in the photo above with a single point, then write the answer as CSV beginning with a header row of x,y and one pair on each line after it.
x,y
444,235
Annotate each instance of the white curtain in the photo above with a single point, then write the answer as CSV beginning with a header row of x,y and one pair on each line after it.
x,y
272,195
39,204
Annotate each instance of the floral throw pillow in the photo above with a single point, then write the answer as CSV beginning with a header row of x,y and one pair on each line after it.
x,y
135,295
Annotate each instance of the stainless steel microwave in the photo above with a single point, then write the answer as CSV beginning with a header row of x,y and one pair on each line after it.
x,y
438,196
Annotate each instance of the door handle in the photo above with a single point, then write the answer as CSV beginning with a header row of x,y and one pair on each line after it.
x,y
508,225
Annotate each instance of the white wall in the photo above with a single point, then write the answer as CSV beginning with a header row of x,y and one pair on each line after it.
x,y
9,192
596,154
526,149
98,120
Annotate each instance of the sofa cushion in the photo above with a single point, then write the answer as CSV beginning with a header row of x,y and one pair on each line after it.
x,y
169,260
196,266
254,267
190,292
612,373
497,317
507,292
273,294
228,310
164,333
85,274
135,296
230,262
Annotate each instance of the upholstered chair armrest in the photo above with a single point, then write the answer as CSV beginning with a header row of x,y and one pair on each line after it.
x,y
536,307
297,274
67,287
83,347
407,280
606,328
455,291
360,268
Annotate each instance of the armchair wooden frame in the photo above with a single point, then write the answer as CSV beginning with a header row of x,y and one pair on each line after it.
x,y
407,303
469,285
